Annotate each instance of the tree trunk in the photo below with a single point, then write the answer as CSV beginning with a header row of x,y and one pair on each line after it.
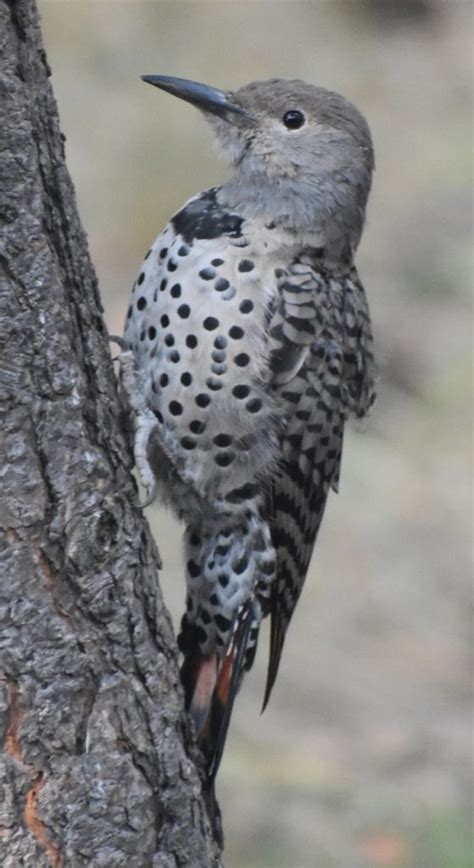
x,y
98,765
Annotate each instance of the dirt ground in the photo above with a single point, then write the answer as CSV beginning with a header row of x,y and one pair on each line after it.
x,y
364,756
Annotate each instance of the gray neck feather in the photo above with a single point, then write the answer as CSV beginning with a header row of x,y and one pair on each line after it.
x,y
330,214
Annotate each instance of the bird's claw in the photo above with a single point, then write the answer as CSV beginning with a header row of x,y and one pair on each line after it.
x,y
150,497
116,339
144,420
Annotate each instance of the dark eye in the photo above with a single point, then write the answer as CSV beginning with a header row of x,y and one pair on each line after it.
x,y
294,119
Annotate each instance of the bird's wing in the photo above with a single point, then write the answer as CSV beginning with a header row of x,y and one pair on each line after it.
x,y
323,372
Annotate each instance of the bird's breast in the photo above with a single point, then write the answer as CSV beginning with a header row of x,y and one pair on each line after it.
x,y
198,326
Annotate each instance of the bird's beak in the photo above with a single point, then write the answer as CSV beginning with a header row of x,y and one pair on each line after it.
x,y
206,98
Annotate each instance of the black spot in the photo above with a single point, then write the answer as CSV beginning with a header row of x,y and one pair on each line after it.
x,y
220,342
210,323
164,380
163,284
222,440
183,250
130,311
279,273
146,257
194,569
165,321
141,278
205,218
191,341
222,623
141,303
254,406
242,360
241,391
169,340
214,600
213,384
245,492
143,335
174,356
258,543
163,252
196,426
205,616
202,400
223,459
240,566
184,310
246,265
201,635
195,540
221,284
186,378
221,551
172,265
175,290
218,355
268,568
292,397
207,273
152,333
294,440
217,262
301,325
175,408
236,333
188,443
223,580
159,416
246,306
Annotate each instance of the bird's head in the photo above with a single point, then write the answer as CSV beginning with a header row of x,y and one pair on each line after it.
x,y
300,152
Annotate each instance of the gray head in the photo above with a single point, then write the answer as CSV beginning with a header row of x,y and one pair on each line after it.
x,y
302,154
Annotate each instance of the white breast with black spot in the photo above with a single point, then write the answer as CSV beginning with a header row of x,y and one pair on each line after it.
x,y
197,326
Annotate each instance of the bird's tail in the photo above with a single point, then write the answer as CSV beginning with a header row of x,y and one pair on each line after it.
x,y
231,565
211,685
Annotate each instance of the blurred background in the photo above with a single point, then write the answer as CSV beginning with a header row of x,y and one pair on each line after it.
x,y
363,757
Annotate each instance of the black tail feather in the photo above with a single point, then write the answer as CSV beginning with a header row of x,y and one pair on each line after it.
x,y
228,683
277,638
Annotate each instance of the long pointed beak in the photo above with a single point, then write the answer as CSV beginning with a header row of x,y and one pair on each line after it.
x,y
206,98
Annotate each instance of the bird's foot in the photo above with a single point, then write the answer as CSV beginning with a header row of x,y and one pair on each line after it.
x,y
144,420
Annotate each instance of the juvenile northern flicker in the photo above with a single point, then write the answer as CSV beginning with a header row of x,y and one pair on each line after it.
x,y
248,345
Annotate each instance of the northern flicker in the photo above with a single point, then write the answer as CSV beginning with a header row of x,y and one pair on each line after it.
x,y
248,345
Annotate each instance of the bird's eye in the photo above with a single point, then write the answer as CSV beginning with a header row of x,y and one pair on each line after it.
x,y
293,119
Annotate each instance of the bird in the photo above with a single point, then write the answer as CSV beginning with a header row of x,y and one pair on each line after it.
x,y
247,345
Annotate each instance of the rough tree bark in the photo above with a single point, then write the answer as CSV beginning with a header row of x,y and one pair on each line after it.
x,y
98,765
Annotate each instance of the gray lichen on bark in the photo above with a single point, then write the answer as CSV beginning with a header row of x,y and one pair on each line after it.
x,y
98,765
